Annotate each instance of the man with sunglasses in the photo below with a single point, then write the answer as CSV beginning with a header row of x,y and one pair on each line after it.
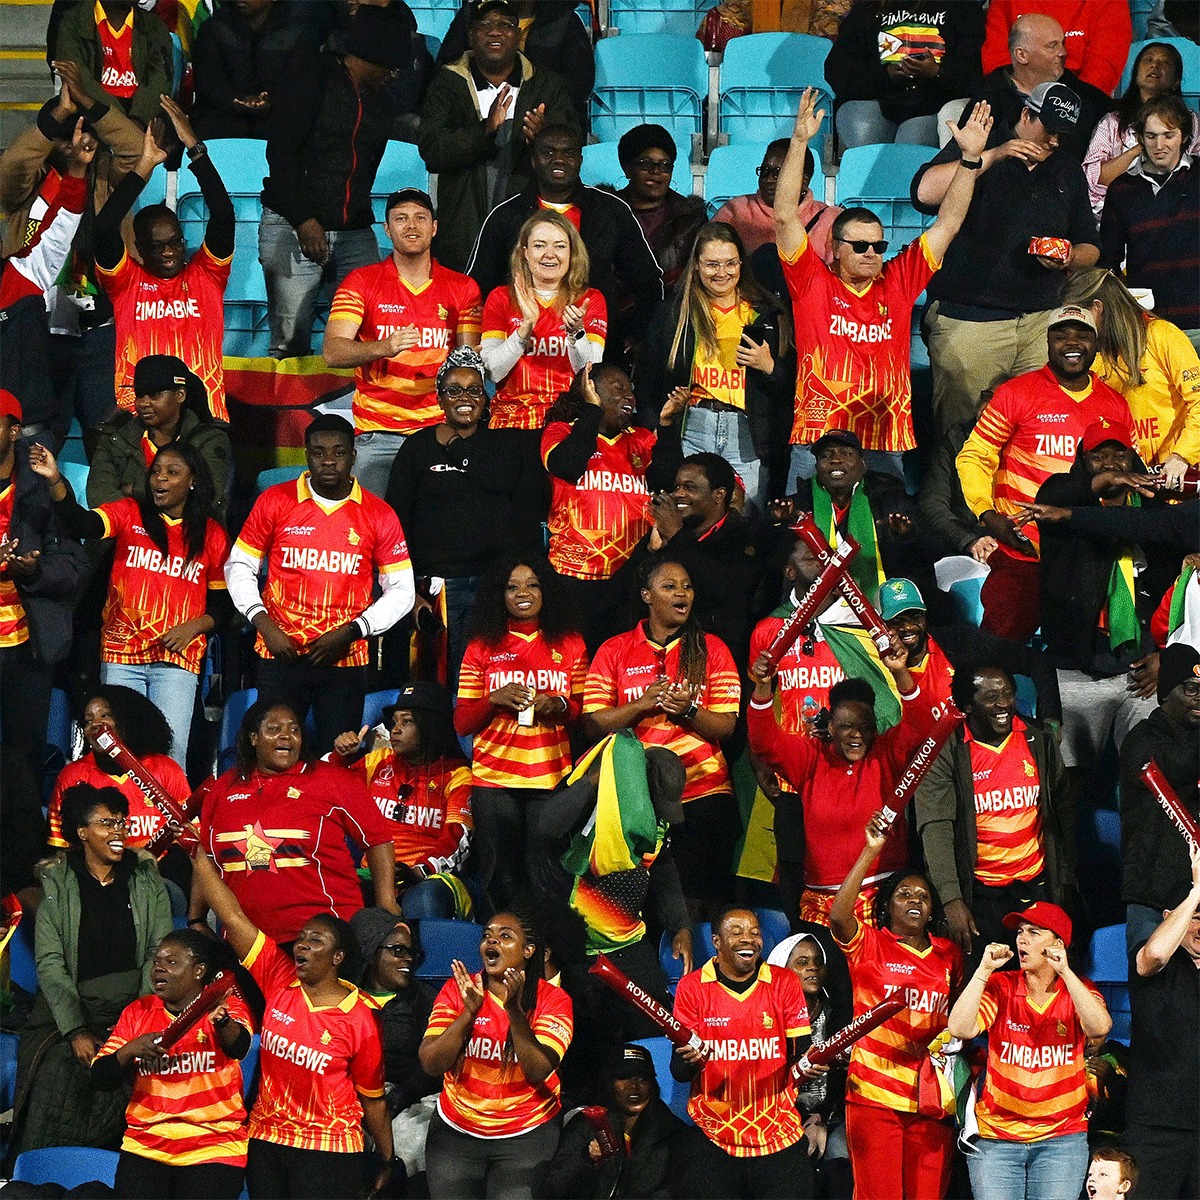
x,y
853,319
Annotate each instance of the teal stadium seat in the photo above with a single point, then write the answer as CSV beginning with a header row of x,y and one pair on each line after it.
x,y
1190,54
679,17
400,167
674,1094
434,16
274,475
601,166
762,78
878,178
732,171
655,78
1110,973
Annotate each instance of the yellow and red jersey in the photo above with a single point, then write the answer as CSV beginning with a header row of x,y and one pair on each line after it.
x,y
429,807
321,559
597,521
399,394
145,819
853,366
934,677
1008,823
1029,431
625,666
186,1106
314,1062
718,376
14,628
148,595
885,1062
744,1098
526,393
184,316
281,841
117,76
1035,1085
507,754
484,1095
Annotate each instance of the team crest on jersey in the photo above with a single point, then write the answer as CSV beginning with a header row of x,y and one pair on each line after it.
x,y
352,537
293,793
556,655
1061,1029
260,849
1030,769
636,459
768,1021
326,1037
443,312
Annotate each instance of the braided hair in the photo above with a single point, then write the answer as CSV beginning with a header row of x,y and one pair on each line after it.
x,y
692,670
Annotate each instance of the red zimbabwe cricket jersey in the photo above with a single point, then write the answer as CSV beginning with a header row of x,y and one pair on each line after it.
x,y
315,1062
744,1098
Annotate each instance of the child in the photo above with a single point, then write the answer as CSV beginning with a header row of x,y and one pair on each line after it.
x,y
1111,1174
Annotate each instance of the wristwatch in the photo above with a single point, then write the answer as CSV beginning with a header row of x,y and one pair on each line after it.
x,y
691,710
197,151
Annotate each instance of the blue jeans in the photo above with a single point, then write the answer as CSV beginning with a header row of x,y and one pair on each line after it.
x,y
1052,1169
375,452
294,282
460,599
803,463
171,690
429,898
726,434
862,123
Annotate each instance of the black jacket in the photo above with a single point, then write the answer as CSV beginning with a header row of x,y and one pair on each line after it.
x,y
855,72
941,497
324,144
1154,858
770,399
569,459
62,567
465,503
648,1171
945,816
1174,525
621,259
402,1024
231,60
672,241
1074,578
556,41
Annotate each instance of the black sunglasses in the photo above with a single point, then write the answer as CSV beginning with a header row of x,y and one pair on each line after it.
x,y
398,951
861,247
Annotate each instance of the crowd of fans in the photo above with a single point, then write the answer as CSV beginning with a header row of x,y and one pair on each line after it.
x,y
568,517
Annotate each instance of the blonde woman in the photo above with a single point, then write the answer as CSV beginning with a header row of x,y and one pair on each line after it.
x,y
1151,363
722,346
543,327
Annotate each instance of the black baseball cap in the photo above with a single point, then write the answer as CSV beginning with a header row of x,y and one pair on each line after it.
x,y
623,1062
159,373
408,196
481,8
423,694
837,437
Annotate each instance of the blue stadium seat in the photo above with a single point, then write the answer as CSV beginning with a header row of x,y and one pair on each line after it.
x,y
1139,11
231,720
60,729
1110,962
274,475
155,191
8,1069
732,171
68,1166
878,178
965,593
674,1094
1191,68
250,1064
445,940
762,78
678,17
375,702
76,474
625,97
22,969
434,16
601,166
774,928
1108,828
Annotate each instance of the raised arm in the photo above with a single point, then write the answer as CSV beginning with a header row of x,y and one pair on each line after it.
x,y
1167,938
109,244
971,139
240,931
842,920
218,233
789,229
964,1016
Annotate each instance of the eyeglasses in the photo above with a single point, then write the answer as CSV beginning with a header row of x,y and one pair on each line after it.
x,y
501,26
767,172
110,823
454,391
653,166
396,950
1190,690
730,264
863,247
166,243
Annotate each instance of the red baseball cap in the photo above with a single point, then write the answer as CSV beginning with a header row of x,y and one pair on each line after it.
x,y
1044,916
10,406
1101,431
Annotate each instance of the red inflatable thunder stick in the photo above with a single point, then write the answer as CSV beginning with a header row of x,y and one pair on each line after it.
x,y
620,983
596,1115
821,1054
154,791
928,750
1164,793
829,578
216,990
806,530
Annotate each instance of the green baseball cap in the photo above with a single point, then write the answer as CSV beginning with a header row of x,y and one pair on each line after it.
x,y
897,596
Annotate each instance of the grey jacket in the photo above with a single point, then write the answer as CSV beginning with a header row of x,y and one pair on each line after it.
x,y
56,934
945,814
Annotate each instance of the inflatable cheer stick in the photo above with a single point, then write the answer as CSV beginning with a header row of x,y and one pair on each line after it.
x,y
620,983
214,992
821,1054
922,761
1164,793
